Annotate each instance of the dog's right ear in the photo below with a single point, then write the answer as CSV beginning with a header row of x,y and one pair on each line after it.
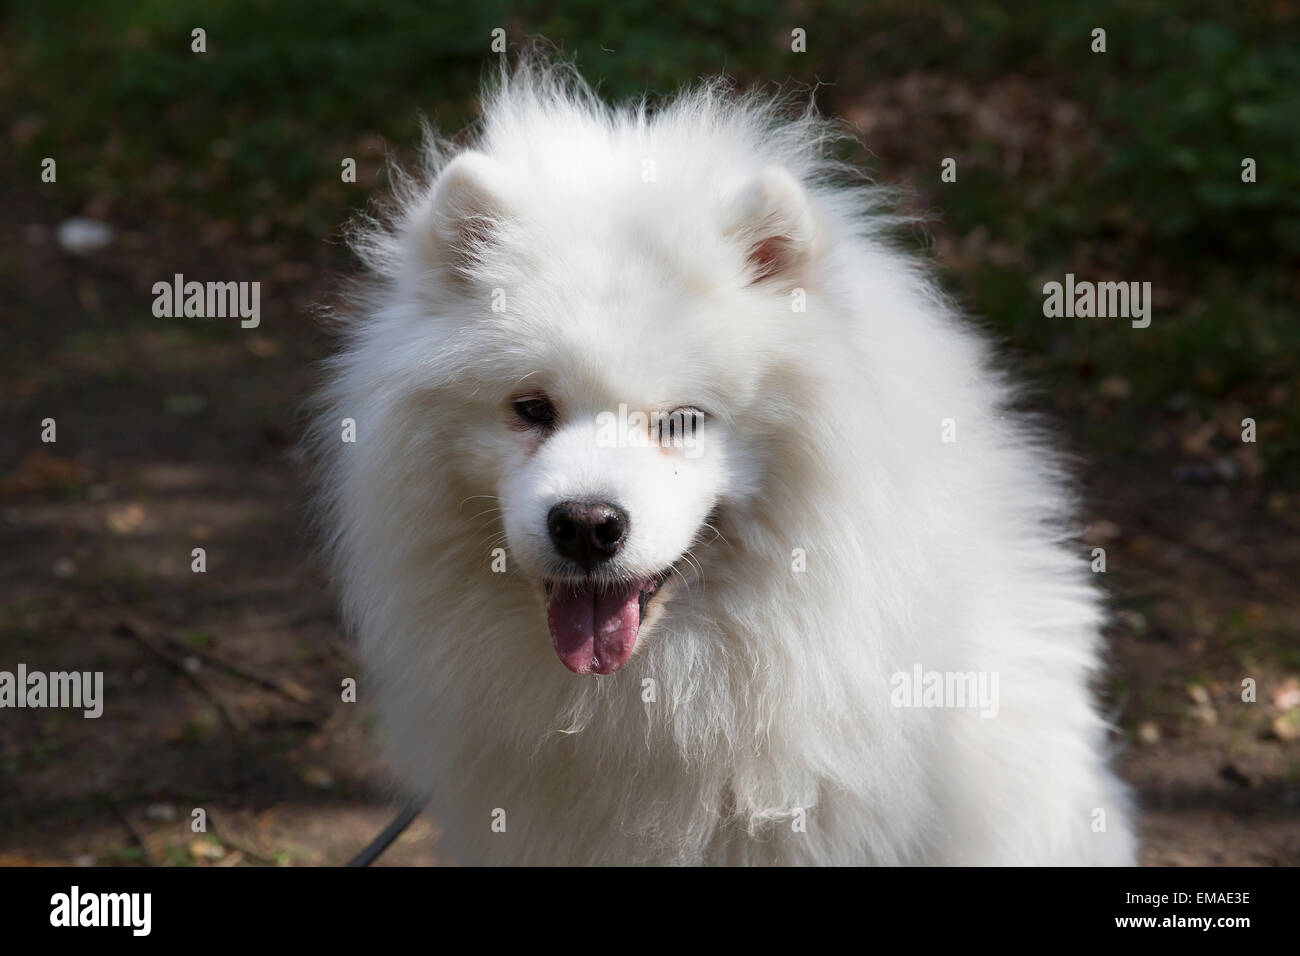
x,y
771,215
470,203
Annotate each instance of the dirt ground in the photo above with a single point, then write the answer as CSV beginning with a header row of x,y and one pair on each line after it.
x,y
223,687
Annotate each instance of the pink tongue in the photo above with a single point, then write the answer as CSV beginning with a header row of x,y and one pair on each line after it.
x,y
593,631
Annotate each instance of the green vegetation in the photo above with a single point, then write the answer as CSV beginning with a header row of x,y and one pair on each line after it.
x,y
1146,186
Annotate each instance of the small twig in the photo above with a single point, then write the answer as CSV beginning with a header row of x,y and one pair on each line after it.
x,y
340,650
131,829
247,849
287,689
236,722
1219,557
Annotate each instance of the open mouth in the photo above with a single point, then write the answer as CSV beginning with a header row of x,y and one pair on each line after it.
x,y
594,624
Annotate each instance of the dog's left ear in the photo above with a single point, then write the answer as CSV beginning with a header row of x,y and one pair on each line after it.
x,y
772,216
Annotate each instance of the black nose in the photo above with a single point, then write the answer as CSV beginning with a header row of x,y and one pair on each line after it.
x,y
587,532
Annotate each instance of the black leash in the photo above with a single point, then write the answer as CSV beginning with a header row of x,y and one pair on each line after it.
x,y
391,832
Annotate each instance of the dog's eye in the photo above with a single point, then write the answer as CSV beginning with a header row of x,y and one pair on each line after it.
x,y
535,412
679,425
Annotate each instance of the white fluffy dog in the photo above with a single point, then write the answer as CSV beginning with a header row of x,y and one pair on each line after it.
x,y
645,391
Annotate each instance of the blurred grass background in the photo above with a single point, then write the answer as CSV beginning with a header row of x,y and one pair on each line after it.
x,y
1144,185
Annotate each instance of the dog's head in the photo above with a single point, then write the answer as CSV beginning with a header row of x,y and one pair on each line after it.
x,y
619,347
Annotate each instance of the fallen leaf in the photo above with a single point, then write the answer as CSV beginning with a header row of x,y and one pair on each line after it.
x,y
1287,696
1287,726
124,519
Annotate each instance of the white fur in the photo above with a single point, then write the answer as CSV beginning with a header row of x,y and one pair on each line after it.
x,y
772,687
